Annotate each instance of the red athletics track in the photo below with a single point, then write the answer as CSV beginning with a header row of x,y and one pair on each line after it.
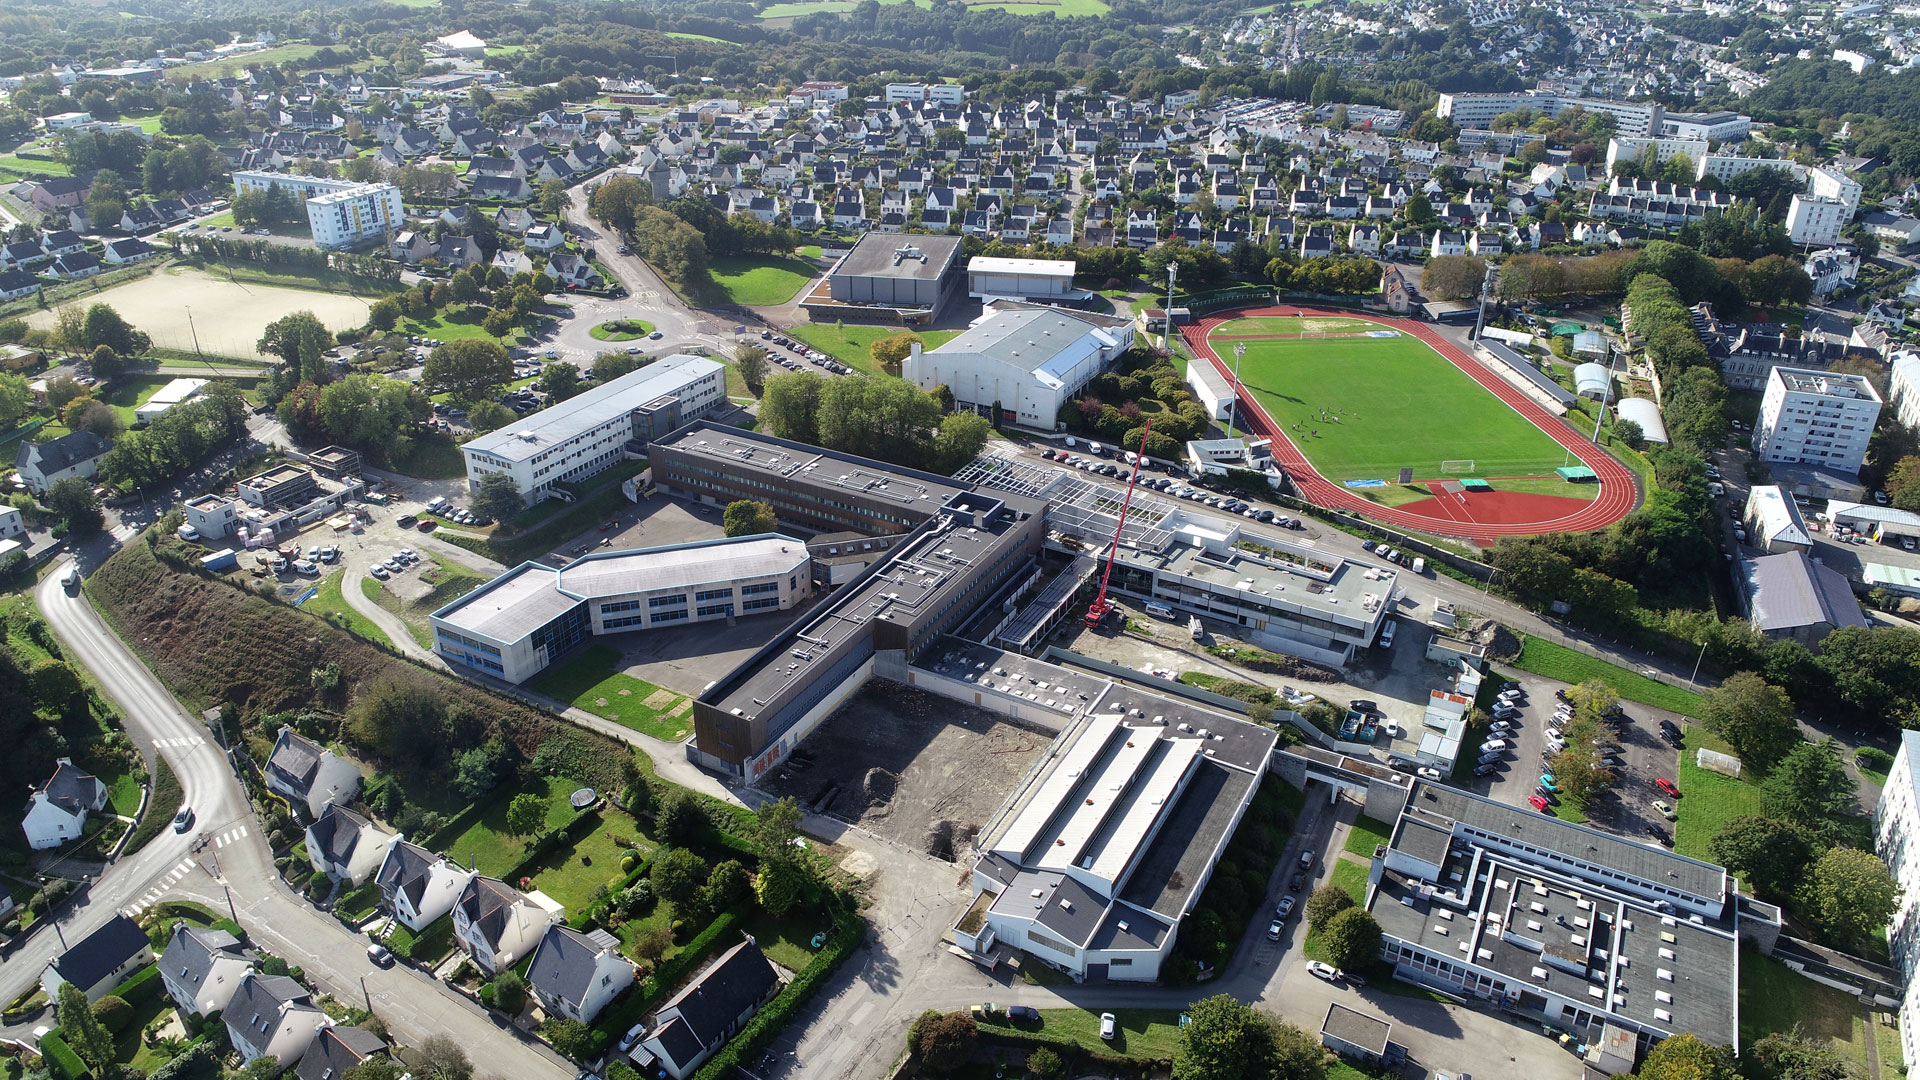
x,y
1448,516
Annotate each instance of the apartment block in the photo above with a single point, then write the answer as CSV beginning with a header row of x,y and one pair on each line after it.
x,y
1816,418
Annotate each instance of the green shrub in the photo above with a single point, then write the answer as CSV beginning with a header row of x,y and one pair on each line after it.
x,y
61,1062
201,1057
113,1013
849,932
141,987
1872,757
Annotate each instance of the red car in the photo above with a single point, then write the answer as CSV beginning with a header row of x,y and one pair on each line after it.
x,y
1666,785
1539,804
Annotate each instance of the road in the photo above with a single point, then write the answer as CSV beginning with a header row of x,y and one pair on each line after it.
x,y
234,865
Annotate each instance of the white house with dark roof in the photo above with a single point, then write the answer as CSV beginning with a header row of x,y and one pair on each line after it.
x,y
418,886
202,968
707,1012
498,924
42,465
336,1049
575,974
57,810
309,773
272,1016
345,846
100,961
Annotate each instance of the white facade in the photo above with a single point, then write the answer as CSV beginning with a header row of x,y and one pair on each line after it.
x,y
1816,418
1720,127
174,393
1619,149
1903,388
1817,221
1835,185
343,219
1630,119
1896,830
588,433
1724,167
304,186
931,93
1029,360
1042,280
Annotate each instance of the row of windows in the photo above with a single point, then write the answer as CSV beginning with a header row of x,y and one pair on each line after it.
x,y
619,605
676,600
784,495
469,642
715,610
668,616
761,589
761,604
714,594
474,661
626,620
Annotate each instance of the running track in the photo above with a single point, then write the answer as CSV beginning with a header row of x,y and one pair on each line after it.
x,y
1618,494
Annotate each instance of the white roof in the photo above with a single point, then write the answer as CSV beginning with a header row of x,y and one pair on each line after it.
x,y
535,434
1778,519
1645,413
175,392
460,39
682,566
981,264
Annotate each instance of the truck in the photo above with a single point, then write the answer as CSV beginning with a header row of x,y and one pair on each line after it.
x,y
219,561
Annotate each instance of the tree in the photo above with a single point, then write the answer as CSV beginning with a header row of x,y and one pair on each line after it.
x,y
385,314
526,815
103,325
1753,715
1326,902
1628,432
375,1068
1686,1057
72,501
399,720
618,202
1850,893
891,351
1226,1040
97,417
1046,1064
438,1057
1790,1055
468,370
677,875
569,1036
113,1012
682,819
745,517
726,886
62,389
83,1031
1810,785
497,496
609,366
299,339
370,411
944,1041
486,416
752,362
559,381
14,398
1453,277
1352,939
1769,854
1420,208
652,944
780,885
790,406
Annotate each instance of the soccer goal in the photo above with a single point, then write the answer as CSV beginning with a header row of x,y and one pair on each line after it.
x,y
1456,467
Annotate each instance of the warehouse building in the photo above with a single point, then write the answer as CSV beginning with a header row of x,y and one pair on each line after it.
x,y
889,277
588,433
516,625
1029,359
1773,521
1792,596
1046,281
1562,924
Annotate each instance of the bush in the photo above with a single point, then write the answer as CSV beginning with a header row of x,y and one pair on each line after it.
x,y
113,1013
1872,757
568,1036
61,1062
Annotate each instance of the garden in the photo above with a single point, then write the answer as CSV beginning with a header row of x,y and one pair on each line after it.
x,y
622,330
593,682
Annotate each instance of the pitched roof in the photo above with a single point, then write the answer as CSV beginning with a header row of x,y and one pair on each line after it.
x,y
97,955
296,757
406,870
71,788
564,964
337,833
61,454
1791,590
739,978
334,1050
485,902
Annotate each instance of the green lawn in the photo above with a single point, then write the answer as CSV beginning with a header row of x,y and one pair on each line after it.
x,y
28,167
1708,799
810,7
1553,661
1367,834
787,941
332,606
852,345
239,63
278,228
622,330
593,682
448,324
123,794
760,280
1295,324
1774,997
571,873
486,845
698,37
375,590
128,394
1142,1033
1399,403
432,459
1062,8
1349,875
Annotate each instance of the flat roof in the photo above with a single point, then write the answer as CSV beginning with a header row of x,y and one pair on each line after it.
x,y
511,606
1826,383
535,434
1046,341
885,255
1356,1028
174,392
983,264
681,566
777,460
279,474
1348,595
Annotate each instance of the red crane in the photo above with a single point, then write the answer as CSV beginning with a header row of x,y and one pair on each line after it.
x,y
1101,606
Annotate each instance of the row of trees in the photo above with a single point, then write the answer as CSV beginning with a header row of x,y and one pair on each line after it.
x,y
179,439
1343,274
1139,376
884,418
371,413
207,246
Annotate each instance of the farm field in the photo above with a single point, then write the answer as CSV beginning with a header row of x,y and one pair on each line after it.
x,y
240,62
1398,404
812,7
230,315
760,280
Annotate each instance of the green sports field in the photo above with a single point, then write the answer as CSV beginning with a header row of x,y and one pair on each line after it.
x,y
1398,403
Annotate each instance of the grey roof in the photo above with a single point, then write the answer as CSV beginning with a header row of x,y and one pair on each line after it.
x,y
873,256
485,902
587,411
334,1050
190,956
1356,1028
563,965
679,1042
257,1002
406,870
1789,591
511,606
337,833
681,566
71,788
741,977
97,955
62,453
295,757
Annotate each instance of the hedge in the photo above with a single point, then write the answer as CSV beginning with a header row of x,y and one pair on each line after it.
x,y
1069,1050
767,1023
359,902
199,1056
585,916
421,947
615,1020
162,804
141,986
61,1062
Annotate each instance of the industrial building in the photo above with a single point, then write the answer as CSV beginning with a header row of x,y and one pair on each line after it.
x,y
1773,521
1792,596
514,626
1028,359
1816,418
889,277
1046,281
589,432
1562,924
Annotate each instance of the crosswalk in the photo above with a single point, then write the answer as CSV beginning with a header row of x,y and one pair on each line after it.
x,y
152,895
177,743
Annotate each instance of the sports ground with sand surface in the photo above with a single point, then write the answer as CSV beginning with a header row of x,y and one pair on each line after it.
x,y
1346,397
227,316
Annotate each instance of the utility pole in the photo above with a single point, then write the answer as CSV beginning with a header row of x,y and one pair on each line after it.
x,y
363,991
1173,273
1486,293
1233,408
196,335
230,911
1606,398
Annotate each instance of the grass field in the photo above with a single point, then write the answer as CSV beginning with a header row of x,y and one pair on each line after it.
x,y
228,315
128,394
450,325
760,280
275,56
698,37
1708,799
1774,997
486,844
1143,1033
1559,662
852,345
20,166
330,604
593,682
813,7
1399,403
621,330
1367,834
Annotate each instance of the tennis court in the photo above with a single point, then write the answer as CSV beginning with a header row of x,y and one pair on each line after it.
x,y
1363,407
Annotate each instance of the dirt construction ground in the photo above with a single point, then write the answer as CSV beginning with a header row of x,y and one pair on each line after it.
x,y
923,771
227,316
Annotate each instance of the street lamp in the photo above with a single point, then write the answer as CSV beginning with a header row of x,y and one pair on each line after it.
x,y
1233,408
1691,681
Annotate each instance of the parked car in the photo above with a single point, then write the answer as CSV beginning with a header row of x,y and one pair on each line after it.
x,y
1023,1012
1546,781
1490,768
1365,705
1539,804
1660,834
1494,744
1667,786
380,572
1108,1025
1326,972
1273,929
1386,634
380,955
1428,772
1665,809
1284,909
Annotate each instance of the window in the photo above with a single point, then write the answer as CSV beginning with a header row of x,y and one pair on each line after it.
x,y
715,594
761,604
669,616
715,610
667,601
761,589
619,605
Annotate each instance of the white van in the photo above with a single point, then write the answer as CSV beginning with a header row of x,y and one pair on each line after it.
x,y
1159,611
438,504
1419,565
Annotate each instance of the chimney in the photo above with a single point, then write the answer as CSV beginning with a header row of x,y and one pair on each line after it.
x,y
913,350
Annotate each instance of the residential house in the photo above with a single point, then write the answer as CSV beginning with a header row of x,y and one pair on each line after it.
x,y
544,237
21,253
575,974
418,886
202,968
410,246
58,193
335,1049
17,284
572,271
77,266
1448,242
310,774
41,465
497,924
130,249
57,810
1364,240
100,961
707,1011
272,1016
514,220
345,846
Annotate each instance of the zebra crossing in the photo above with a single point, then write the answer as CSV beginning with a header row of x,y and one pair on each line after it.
x,y
147,899
178,743
231,836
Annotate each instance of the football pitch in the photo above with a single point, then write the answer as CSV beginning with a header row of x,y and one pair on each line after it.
x,y
1362,408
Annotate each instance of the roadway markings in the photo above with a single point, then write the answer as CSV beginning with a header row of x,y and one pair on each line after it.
x,y
171,879
179,743
231,836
